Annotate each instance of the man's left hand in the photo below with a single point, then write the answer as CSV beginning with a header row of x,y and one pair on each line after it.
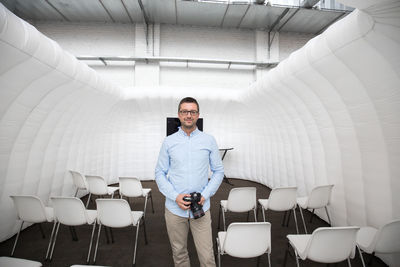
x,y
202,200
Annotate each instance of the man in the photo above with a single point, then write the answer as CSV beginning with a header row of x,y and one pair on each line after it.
x,y
182,168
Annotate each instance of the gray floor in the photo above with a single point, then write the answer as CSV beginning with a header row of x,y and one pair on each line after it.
x,y
158,253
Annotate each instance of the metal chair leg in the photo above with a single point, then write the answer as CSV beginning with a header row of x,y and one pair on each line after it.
x,y
302,217
263,212
269,259
16,238
76,192
151,198
255,216
223,218
327,214
144,229
51,240
361,256
54,241
288,218
219,217
136,241
87,203
297,258
97,243
91,241
145,206
348,262
295,219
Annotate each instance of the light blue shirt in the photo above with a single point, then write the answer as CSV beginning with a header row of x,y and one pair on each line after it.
x,y
183,165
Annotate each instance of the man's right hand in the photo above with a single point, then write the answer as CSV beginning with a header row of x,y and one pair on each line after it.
x,y
185,205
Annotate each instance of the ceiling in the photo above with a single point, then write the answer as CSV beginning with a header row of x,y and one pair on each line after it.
x,y
201,13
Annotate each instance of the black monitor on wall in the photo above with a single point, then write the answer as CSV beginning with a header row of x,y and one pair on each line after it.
x,y
174,123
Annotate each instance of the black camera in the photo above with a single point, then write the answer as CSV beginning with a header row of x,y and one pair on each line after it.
x,y
195,207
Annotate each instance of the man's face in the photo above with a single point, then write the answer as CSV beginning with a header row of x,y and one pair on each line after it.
x,y
189,119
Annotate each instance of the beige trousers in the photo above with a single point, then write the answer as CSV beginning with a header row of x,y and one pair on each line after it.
x,y
178,229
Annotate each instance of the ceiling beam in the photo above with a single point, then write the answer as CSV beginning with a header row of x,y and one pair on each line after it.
x,y
58,11
108,13
258,64
127,12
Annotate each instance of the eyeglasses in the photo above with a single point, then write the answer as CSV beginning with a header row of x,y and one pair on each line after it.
x,y
186,112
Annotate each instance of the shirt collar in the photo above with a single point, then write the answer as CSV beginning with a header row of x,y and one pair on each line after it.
x,y
182,132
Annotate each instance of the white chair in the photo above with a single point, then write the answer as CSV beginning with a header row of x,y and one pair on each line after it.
x,y
318,198
16,262
132,187
70,211
116,213
245,240
240,199
280,199
324,245
385,240
79,181
98,186
30,209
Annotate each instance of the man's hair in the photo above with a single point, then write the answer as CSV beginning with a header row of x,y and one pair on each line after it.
x,y
188,100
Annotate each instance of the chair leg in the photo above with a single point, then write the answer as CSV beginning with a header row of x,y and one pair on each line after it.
x,y
87,202
295,220
219,217
151,198
263,212
73,233
348,262
145,206
107,237
51,240
297,258
255,216
91,241
136,241
54,241
219,259
223,218
97,243
361,256
269,259
76,192
302,217
288,218
144,229
111,234
16,238
327,214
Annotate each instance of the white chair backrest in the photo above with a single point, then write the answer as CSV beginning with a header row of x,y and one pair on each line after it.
x,y
114,212
388,238
248,240
130,187
97,185
29,208
242,199
281,199
320,196
69,210
331,244
78,179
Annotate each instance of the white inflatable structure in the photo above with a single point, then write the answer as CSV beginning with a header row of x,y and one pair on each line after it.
x,y
330,113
